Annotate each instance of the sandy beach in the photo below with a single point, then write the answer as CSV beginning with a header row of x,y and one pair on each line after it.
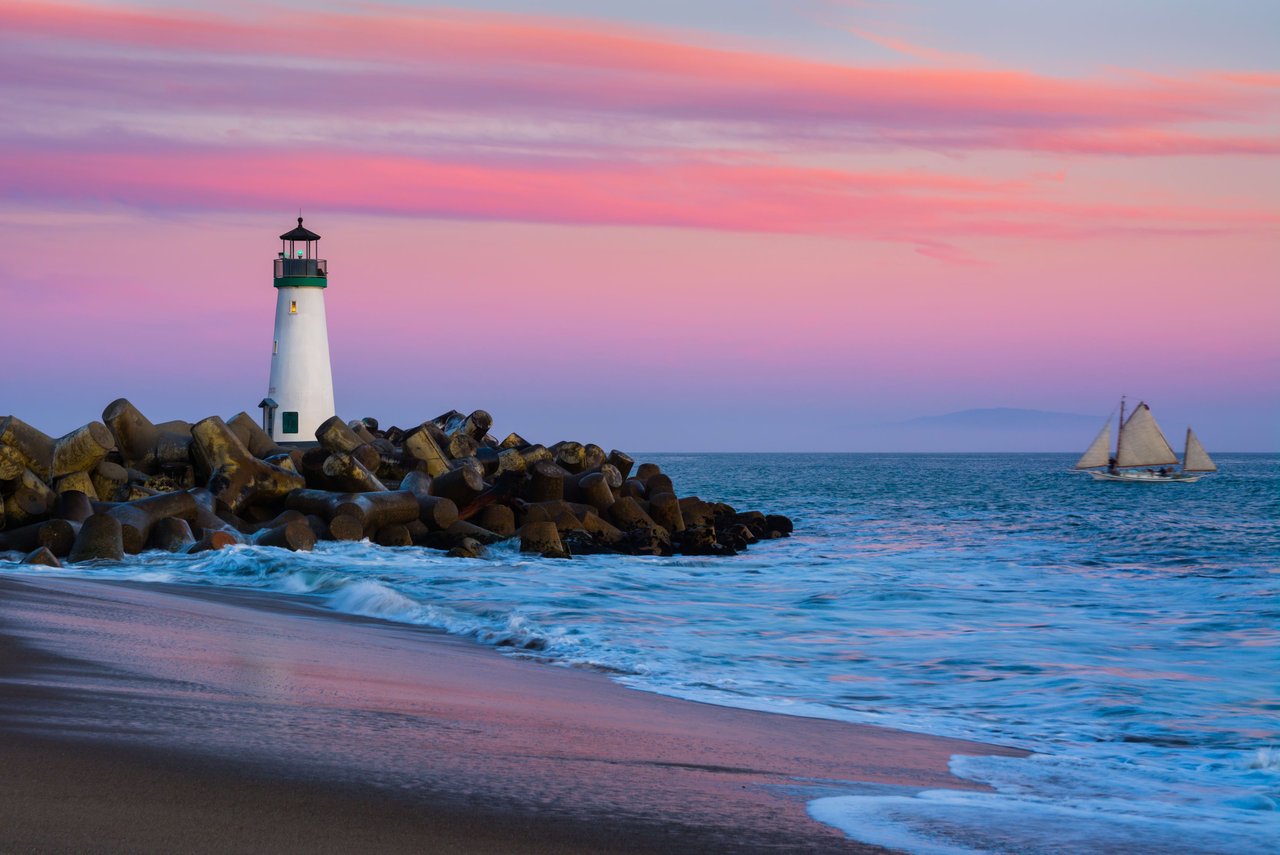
x,y
137,717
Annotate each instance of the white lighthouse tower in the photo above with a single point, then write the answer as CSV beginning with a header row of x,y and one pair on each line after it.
x,y
300,392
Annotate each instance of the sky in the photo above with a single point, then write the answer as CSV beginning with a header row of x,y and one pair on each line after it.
x,y
730,225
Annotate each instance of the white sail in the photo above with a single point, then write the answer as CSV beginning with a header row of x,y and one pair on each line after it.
x,y
1142,443
1196,459
1099,452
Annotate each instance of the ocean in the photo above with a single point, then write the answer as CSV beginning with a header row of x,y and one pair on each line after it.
x,y
1127,635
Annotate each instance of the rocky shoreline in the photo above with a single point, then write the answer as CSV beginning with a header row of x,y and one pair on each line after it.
x,y
125,485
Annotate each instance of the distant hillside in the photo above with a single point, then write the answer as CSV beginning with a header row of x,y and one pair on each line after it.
x,y
1005,418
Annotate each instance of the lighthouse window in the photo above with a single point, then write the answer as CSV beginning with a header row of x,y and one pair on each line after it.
x,y
275,347
293,307
288,422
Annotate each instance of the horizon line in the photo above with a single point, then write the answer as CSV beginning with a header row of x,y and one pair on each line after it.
x,y
904,451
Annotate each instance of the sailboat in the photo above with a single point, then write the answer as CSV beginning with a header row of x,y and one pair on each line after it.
x,y
1140,448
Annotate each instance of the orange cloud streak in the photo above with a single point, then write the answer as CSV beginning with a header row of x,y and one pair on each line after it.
x,y
918,51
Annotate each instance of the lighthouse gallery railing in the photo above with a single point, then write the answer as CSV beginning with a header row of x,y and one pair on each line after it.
x,y
301,267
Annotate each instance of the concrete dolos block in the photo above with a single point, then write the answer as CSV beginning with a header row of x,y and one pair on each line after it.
x,y
236,477
99,539
34,447
81,450
141,444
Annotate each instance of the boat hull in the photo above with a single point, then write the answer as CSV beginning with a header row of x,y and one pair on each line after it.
x,y
1146,477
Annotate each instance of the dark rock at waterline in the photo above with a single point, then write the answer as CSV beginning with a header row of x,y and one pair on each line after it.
x,y
43,557
171,535
213,541
543,538
100,537
468,547
778,524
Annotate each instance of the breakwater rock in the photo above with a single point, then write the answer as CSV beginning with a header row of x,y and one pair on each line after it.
x,y
125,484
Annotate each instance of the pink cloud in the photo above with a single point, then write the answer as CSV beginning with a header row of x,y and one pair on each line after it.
x,y
469,58
682,191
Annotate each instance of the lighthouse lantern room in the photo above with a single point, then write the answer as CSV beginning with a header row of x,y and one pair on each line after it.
x,y
300,391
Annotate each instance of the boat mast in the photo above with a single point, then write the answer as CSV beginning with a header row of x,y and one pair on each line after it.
x,y
1120,430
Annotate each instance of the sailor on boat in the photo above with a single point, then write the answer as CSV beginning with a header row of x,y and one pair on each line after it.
x,y
1141,445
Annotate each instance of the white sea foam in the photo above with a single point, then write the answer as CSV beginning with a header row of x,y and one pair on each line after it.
x,y
955,822
374,599
1049,804
1265,758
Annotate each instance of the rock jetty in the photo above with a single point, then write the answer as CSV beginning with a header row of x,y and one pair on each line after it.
x,y
125,485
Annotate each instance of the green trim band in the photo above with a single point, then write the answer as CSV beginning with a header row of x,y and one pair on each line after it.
x,y
302,282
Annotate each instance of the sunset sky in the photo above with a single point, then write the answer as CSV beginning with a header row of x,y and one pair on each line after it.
x,y
713,225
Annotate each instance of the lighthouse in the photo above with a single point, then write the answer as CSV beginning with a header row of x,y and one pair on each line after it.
x,y
300,392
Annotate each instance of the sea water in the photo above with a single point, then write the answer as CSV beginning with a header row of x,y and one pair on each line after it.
x,y
1128,635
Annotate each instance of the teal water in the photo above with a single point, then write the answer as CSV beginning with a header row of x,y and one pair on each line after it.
x,y
1128,635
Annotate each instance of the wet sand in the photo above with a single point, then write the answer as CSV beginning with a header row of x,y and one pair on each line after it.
x,y
165,718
